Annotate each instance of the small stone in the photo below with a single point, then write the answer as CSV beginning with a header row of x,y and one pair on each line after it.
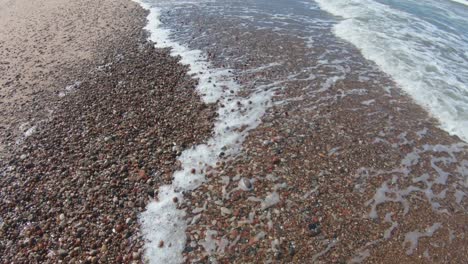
x,y
142,175
119,228
276,160
188,249
314,229
62,253
236,212
80,231
233,234
292,249
245,184
226,211
103,248
161,244
175,200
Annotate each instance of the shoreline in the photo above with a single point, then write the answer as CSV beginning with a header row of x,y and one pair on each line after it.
x,y
348,172
329,176
73,190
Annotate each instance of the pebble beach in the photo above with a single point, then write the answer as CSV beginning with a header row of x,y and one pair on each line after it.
x,y
72,190
100,116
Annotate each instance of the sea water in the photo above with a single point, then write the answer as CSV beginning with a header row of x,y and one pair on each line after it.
x,y
422,46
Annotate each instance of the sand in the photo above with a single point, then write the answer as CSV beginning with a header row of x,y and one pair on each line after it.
x,y
111,114
43,45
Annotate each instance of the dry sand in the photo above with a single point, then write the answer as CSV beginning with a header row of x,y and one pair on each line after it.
x,y
111,114
43,46
73,190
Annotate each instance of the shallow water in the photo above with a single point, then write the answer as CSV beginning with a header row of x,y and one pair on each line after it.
x,y
252,55
423,45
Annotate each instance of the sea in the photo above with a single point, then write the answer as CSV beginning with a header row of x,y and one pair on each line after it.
x,y
419,48
422,45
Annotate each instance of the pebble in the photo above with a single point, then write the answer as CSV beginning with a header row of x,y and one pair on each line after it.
x,y
314,229
62,253
226,211
245,184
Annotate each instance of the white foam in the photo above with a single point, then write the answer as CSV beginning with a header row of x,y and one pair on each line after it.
x,y
388,232
422,133
360,256
463,2
29,132
459,196
162,220
330,245
270,200
395,193
69,89
429,63
368,102
381,197
413,237
210,242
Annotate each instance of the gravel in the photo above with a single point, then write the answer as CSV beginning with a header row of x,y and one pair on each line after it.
x,y
72,191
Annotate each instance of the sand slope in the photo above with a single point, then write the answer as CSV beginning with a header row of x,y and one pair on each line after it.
x,y
42,44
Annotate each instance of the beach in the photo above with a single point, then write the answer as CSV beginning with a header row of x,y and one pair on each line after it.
x,y
110,113
214,132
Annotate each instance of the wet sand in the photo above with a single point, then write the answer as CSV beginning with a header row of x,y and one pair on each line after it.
x,y
326,172
344,168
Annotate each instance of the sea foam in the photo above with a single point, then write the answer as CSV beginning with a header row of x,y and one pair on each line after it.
x,y
427,60
163,225
463,2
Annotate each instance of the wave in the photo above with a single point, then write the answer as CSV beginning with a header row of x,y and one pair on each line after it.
x,y
463,2
426,61
163,224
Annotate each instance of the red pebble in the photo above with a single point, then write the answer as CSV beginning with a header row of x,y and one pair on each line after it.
x,y
276,160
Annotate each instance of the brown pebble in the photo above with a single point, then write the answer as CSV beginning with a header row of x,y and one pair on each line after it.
x,y
119,228
276,160
161,244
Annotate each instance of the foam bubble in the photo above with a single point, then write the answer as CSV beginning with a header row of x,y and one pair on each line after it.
x,y
426,60
463,2
163,225
413,237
